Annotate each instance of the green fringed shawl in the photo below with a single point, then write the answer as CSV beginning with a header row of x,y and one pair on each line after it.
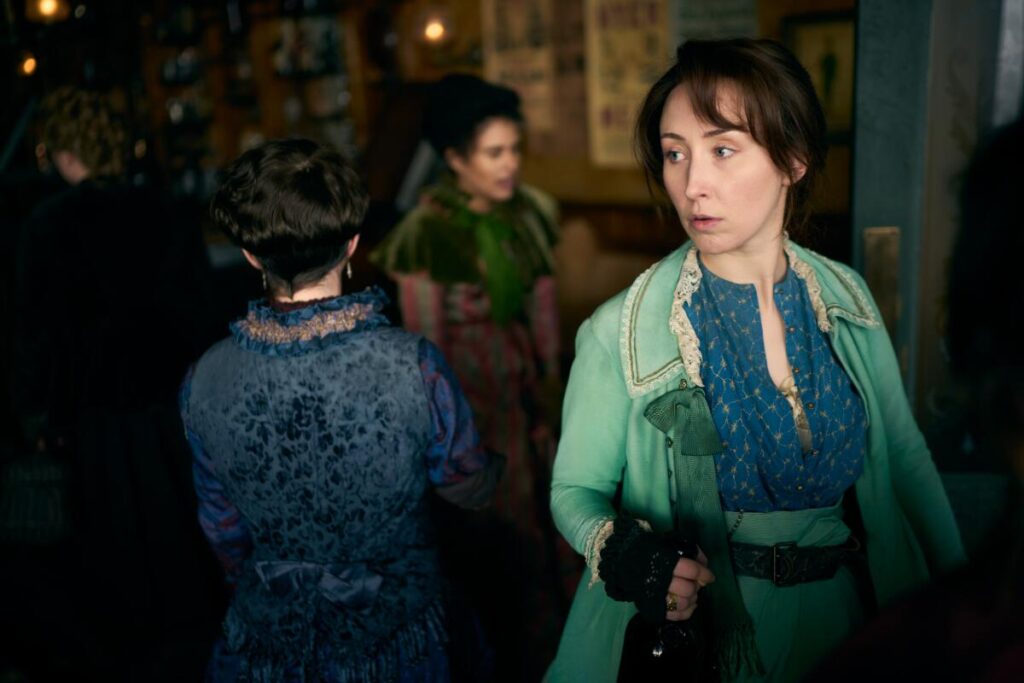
x,y
684,415
504,250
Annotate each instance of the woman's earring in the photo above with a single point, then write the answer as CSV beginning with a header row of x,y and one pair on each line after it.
x,y
263,275
348,270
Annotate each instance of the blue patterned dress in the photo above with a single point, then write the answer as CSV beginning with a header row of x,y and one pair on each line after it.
x,y
768,464
317,434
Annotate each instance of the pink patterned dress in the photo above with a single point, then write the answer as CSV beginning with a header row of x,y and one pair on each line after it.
x,y
501,339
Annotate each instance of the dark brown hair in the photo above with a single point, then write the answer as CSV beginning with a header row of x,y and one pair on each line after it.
x,y
780,109
460,106
294,205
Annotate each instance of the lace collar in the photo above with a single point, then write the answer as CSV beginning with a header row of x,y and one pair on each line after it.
x,y
318,325
650,357
689,281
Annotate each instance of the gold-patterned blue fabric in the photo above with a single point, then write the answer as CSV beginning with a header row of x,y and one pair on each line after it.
x,y
763,466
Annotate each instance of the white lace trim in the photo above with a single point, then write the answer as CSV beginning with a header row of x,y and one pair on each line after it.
x,y
679,322
636,385
806,273
690,356
595,544
864,316
868,319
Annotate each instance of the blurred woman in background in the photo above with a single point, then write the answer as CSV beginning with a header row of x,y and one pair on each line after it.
x,y
112,304
475,274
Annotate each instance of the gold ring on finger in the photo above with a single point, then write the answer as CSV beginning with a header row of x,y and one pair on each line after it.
x,y
671,602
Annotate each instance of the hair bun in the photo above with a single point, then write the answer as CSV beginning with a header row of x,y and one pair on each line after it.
x,y
458,103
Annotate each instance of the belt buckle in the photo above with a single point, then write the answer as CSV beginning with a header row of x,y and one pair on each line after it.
x,y
783,564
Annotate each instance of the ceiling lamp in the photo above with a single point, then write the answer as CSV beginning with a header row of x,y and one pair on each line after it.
x,y
47,11
434,31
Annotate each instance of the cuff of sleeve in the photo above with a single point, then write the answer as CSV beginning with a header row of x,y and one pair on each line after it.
x,y
603,530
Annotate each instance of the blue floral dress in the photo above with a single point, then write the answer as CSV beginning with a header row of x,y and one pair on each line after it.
x,y
794,447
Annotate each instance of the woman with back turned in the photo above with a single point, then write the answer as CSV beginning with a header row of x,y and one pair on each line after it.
x,y
743,392
318,430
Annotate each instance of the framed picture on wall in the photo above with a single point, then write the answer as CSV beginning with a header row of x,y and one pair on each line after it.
x,y
825,45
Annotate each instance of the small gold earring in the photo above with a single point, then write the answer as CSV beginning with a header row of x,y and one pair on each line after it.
x,y
263,275
348,270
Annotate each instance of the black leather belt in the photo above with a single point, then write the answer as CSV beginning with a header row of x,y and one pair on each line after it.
x,y
787,564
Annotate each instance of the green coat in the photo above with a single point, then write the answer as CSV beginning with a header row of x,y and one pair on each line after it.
x,y
637,347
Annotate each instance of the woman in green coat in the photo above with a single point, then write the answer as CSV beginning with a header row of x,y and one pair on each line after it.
x,y
738,409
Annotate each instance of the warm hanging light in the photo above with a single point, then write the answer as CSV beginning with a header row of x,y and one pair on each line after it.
x,y
28,65
435,30
47,11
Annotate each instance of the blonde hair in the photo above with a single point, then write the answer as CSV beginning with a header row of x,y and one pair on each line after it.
x,y
86,124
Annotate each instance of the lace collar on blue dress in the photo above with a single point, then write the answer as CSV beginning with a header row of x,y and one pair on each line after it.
x,y
316,326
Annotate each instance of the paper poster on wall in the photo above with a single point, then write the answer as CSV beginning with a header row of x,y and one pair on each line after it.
x,y
626,48
519,53
569,138
707,19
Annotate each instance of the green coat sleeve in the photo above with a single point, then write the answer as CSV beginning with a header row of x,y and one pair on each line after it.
x,y
916,481
592,451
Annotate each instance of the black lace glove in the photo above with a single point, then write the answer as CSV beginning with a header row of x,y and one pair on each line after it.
x,y
636,566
